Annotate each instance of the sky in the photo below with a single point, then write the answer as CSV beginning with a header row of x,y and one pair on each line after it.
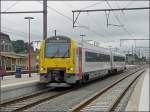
x,y
135,23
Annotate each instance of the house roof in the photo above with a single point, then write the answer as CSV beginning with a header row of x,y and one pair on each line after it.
x,y
4,36
13,55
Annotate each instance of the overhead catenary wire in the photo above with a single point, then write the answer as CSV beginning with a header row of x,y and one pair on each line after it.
x,y
110,9
93,5
70,19
101,26
129,3
11,6
117,18
124,16
94,20
17,31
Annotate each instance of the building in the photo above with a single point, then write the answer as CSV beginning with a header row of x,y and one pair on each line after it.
x,y
134,59
5,43
9,60
130,59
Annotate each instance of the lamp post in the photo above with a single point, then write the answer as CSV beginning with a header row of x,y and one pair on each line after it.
x,y
29,48
82,37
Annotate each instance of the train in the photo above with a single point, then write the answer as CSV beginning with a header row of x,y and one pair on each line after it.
x,y
64,62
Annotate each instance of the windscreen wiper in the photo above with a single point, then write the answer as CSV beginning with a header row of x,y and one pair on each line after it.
x,y
55,53
65,53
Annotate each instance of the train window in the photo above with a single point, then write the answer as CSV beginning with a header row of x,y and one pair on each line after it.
x,y
119,59
96,57
57,50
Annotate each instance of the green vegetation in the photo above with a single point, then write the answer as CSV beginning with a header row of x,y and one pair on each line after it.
x,y
19,46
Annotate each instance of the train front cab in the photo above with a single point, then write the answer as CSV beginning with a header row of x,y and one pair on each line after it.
x,y
58,61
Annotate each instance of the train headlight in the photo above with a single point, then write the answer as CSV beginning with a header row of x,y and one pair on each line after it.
x,y
71,69
42,69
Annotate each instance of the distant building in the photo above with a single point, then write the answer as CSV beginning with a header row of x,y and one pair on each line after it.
x,y
134,59
130,59
5,43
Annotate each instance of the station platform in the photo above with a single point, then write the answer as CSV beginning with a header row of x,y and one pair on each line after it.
x,y
14,88
12,80
139,100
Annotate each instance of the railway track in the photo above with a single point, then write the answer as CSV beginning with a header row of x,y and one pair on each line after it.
x,y
109,98
35,99
30,101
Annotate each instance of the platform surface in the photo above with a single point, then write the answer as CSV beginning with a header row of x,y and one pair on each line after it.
x,y
139,100
12,80
144,98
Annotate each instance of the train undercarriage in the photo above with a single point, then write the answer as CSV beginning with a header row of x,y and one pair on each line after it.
x,y
58,78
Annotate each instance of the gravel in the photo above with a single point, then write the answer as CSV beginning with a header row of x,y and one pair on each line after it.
x,y
104,102
124,101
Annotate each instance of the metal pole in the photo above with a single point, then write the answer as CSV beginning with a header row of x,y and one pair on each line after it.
x,y
132,49
21,12
44,19
73,19
55,32
82,37
29,52
29,47
111,58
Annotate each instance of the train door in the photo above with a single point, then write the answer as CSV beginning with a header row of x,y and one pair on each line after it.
x,y
80,62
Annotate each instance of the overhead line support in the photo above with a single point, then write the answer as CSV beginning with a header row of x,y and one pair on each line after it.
x,y
20,12
118,9
44,16
104,10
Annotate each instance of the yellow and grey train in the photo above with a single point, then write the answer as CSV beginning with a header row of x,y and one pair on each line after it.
x,y
64,62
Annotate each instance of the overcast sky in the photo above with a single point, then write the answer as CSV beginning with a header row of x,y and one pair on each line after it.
x,y
136,23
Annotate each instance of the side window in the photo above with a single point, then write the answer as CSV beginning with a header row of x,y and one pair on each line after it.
x,y
96,57
119,59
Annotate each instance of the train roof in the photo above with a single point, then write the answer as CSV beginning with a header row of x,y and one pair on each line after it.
x,y
58,39
119,54
99,48
62,38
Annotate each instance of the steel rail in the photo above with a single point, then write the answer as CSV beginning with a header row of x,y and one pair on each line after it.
x,y
25,102
117,101
79,107
25,97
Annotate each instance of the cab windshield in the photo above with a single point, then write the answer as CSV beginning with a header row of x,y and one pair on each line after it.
x,y
57,50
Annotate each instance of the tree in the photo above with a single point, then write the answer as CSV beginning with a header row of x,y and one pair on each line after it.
x,y
27,47
20,46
